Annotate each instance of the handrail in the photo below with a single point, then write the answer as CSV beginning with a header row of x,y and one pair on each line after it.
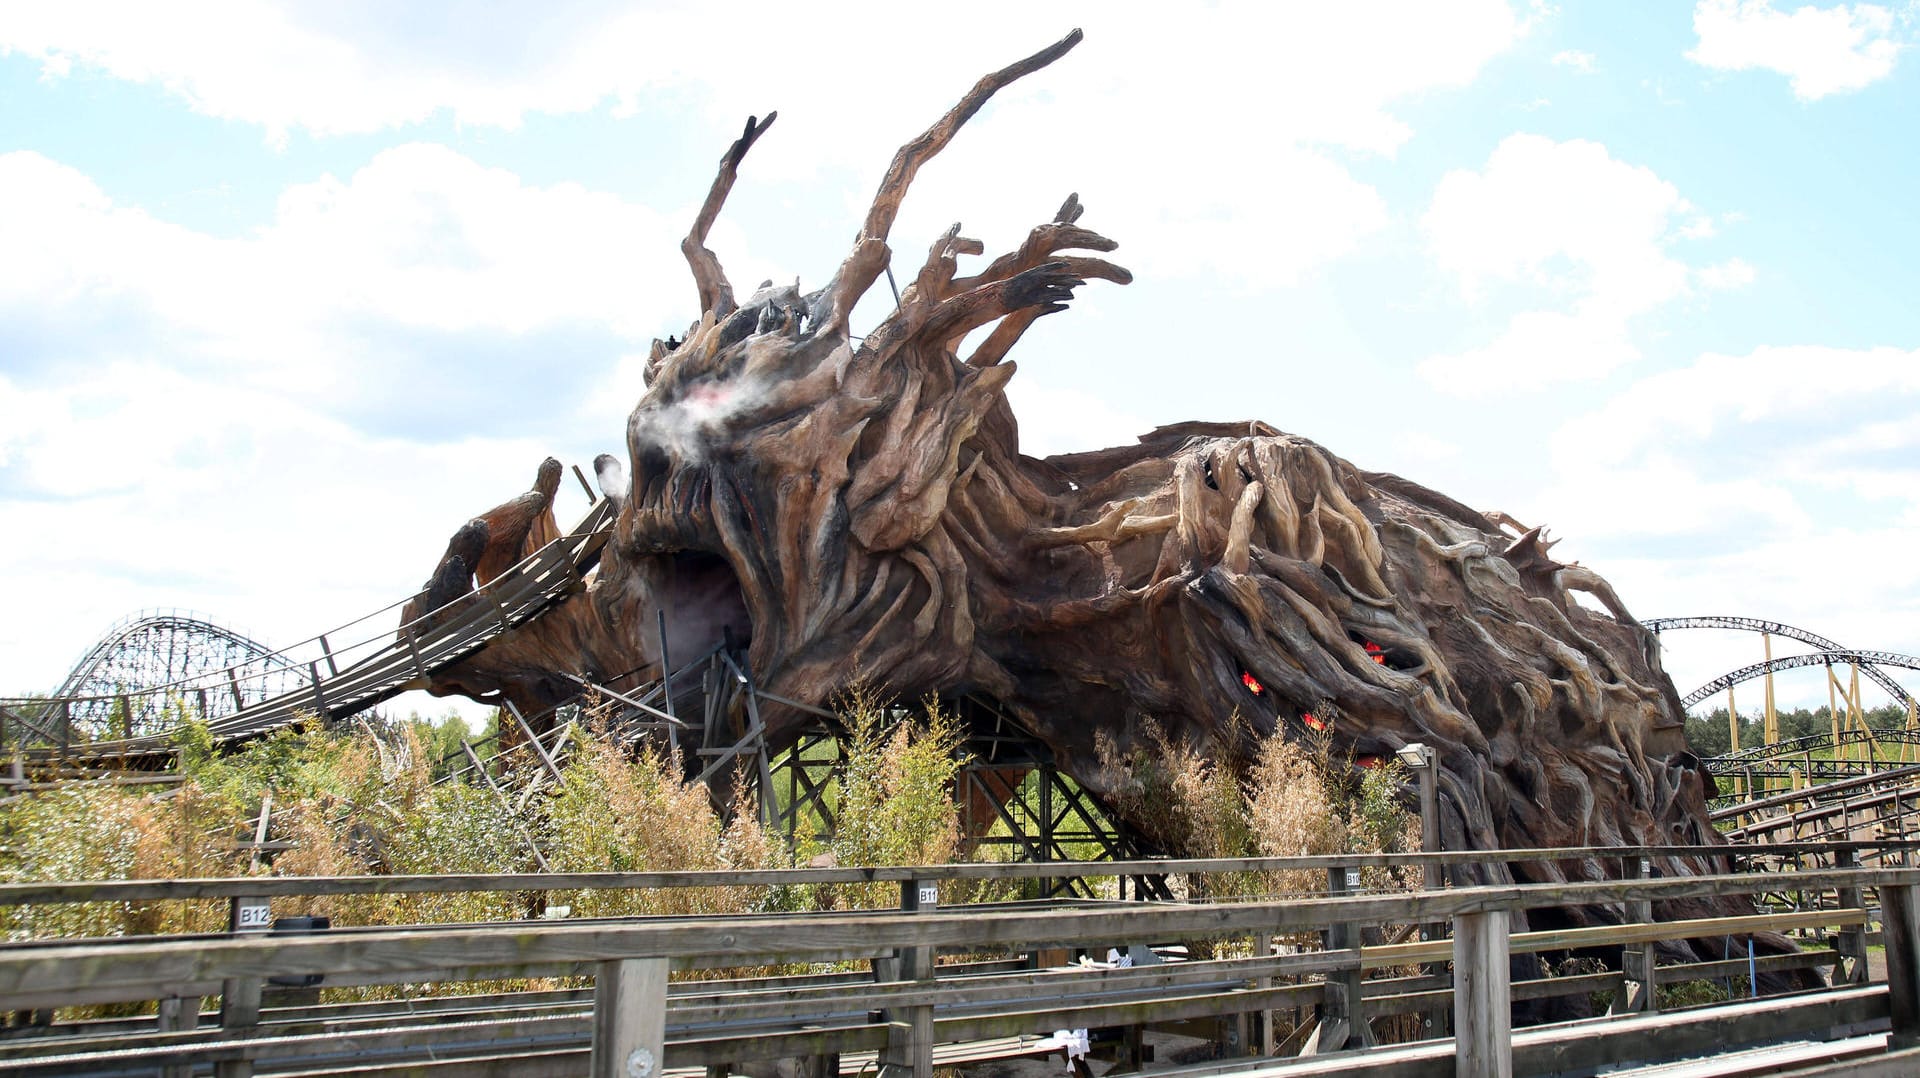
x,y
14,894
134,969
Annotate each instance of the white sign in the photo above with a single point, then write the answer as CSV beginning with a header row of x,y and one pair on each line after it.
x,y
1353,878
252,915
929,895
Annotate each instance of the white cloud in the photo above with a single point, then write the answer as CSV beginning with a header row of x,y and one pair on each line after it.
x,y
149,488
1840,582
1785,387
1270,89
1822,51
1536,350
1064,419
354,67
1563,214
1783,484
1700,228
1582,62
1722,276
293,420
1562,224
418,244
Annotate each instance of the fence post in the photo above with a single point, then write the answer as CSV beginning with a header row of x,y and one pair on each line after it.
x,y
319,696
1343,1020
629,1018
1482,1018
240,996
239,1012
910,1029
1900,918
1852,942
178,1013
1638,962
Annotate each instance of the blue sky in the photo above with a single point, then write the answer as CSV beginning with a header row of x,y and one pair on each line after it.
x,y
289,291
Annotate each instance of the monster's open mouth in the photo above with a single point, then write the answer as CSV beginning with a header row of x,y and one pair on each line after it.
x,y
700,598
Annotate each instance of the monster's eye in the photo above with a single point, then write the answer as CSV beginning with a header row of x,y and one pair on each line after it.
x,y
1315,722
1252,683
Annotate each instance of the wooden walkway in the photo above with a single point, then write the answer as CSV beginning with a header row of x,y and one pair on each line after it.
x,y
889,997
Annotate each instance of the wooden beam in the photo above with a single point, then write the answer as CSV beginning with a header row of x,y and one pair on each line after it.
x,y
629,1018
1562,939
1482,1017
15,894
1900,921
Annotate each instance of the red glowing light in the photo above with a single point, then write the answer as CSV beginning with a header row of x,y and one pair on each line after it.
x,y
1375,652
1314,721
1252,683
1368,762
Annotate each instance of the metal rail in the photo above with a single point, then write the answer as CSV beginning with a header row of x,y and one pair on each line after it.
x,y
1866,660
1774,628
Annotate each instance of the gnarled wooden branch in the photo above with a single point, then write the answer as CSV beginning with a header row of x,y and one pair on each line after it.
x,y
868,259
716,295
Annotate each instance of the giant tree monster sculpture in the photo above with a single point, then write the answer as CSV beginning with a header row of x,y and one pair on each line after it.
x,y
859,509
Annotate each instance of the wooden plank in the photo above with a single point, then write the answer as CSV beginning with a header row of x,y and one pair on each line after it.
x,y
557,1063
338,1049
1481,1012
1900,926
1583,1047
137,967
629,1019
14,894
1402,954
1898,1064
958,992
1737,967
533,739
1124,1013
807,1042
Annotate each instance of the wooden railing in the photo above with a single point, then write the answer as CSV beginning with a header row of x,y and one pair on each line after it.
x,y
922,1004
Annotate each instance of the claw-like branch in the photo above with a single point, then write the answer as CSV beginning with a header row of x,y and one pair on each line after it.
x,y
1045,288
716,294
1060,234
868,259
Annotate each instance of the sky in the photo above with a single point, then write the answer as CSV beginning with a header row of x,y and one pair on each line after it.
x,y
290,291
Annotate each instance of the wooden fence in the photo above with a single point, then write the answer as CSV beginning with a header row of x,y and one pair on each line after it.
x,y
634,1023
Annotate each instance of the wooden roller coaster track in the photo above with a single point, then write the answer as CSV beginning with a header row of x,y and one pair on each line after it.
x,y
341,680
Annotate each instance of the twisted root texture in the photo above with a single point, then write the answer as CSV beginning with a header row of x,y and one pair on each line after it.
x,y
858,509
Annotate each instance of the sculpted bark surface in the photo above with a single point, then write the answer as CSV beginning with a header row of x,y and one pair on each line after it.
x,y
850,509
